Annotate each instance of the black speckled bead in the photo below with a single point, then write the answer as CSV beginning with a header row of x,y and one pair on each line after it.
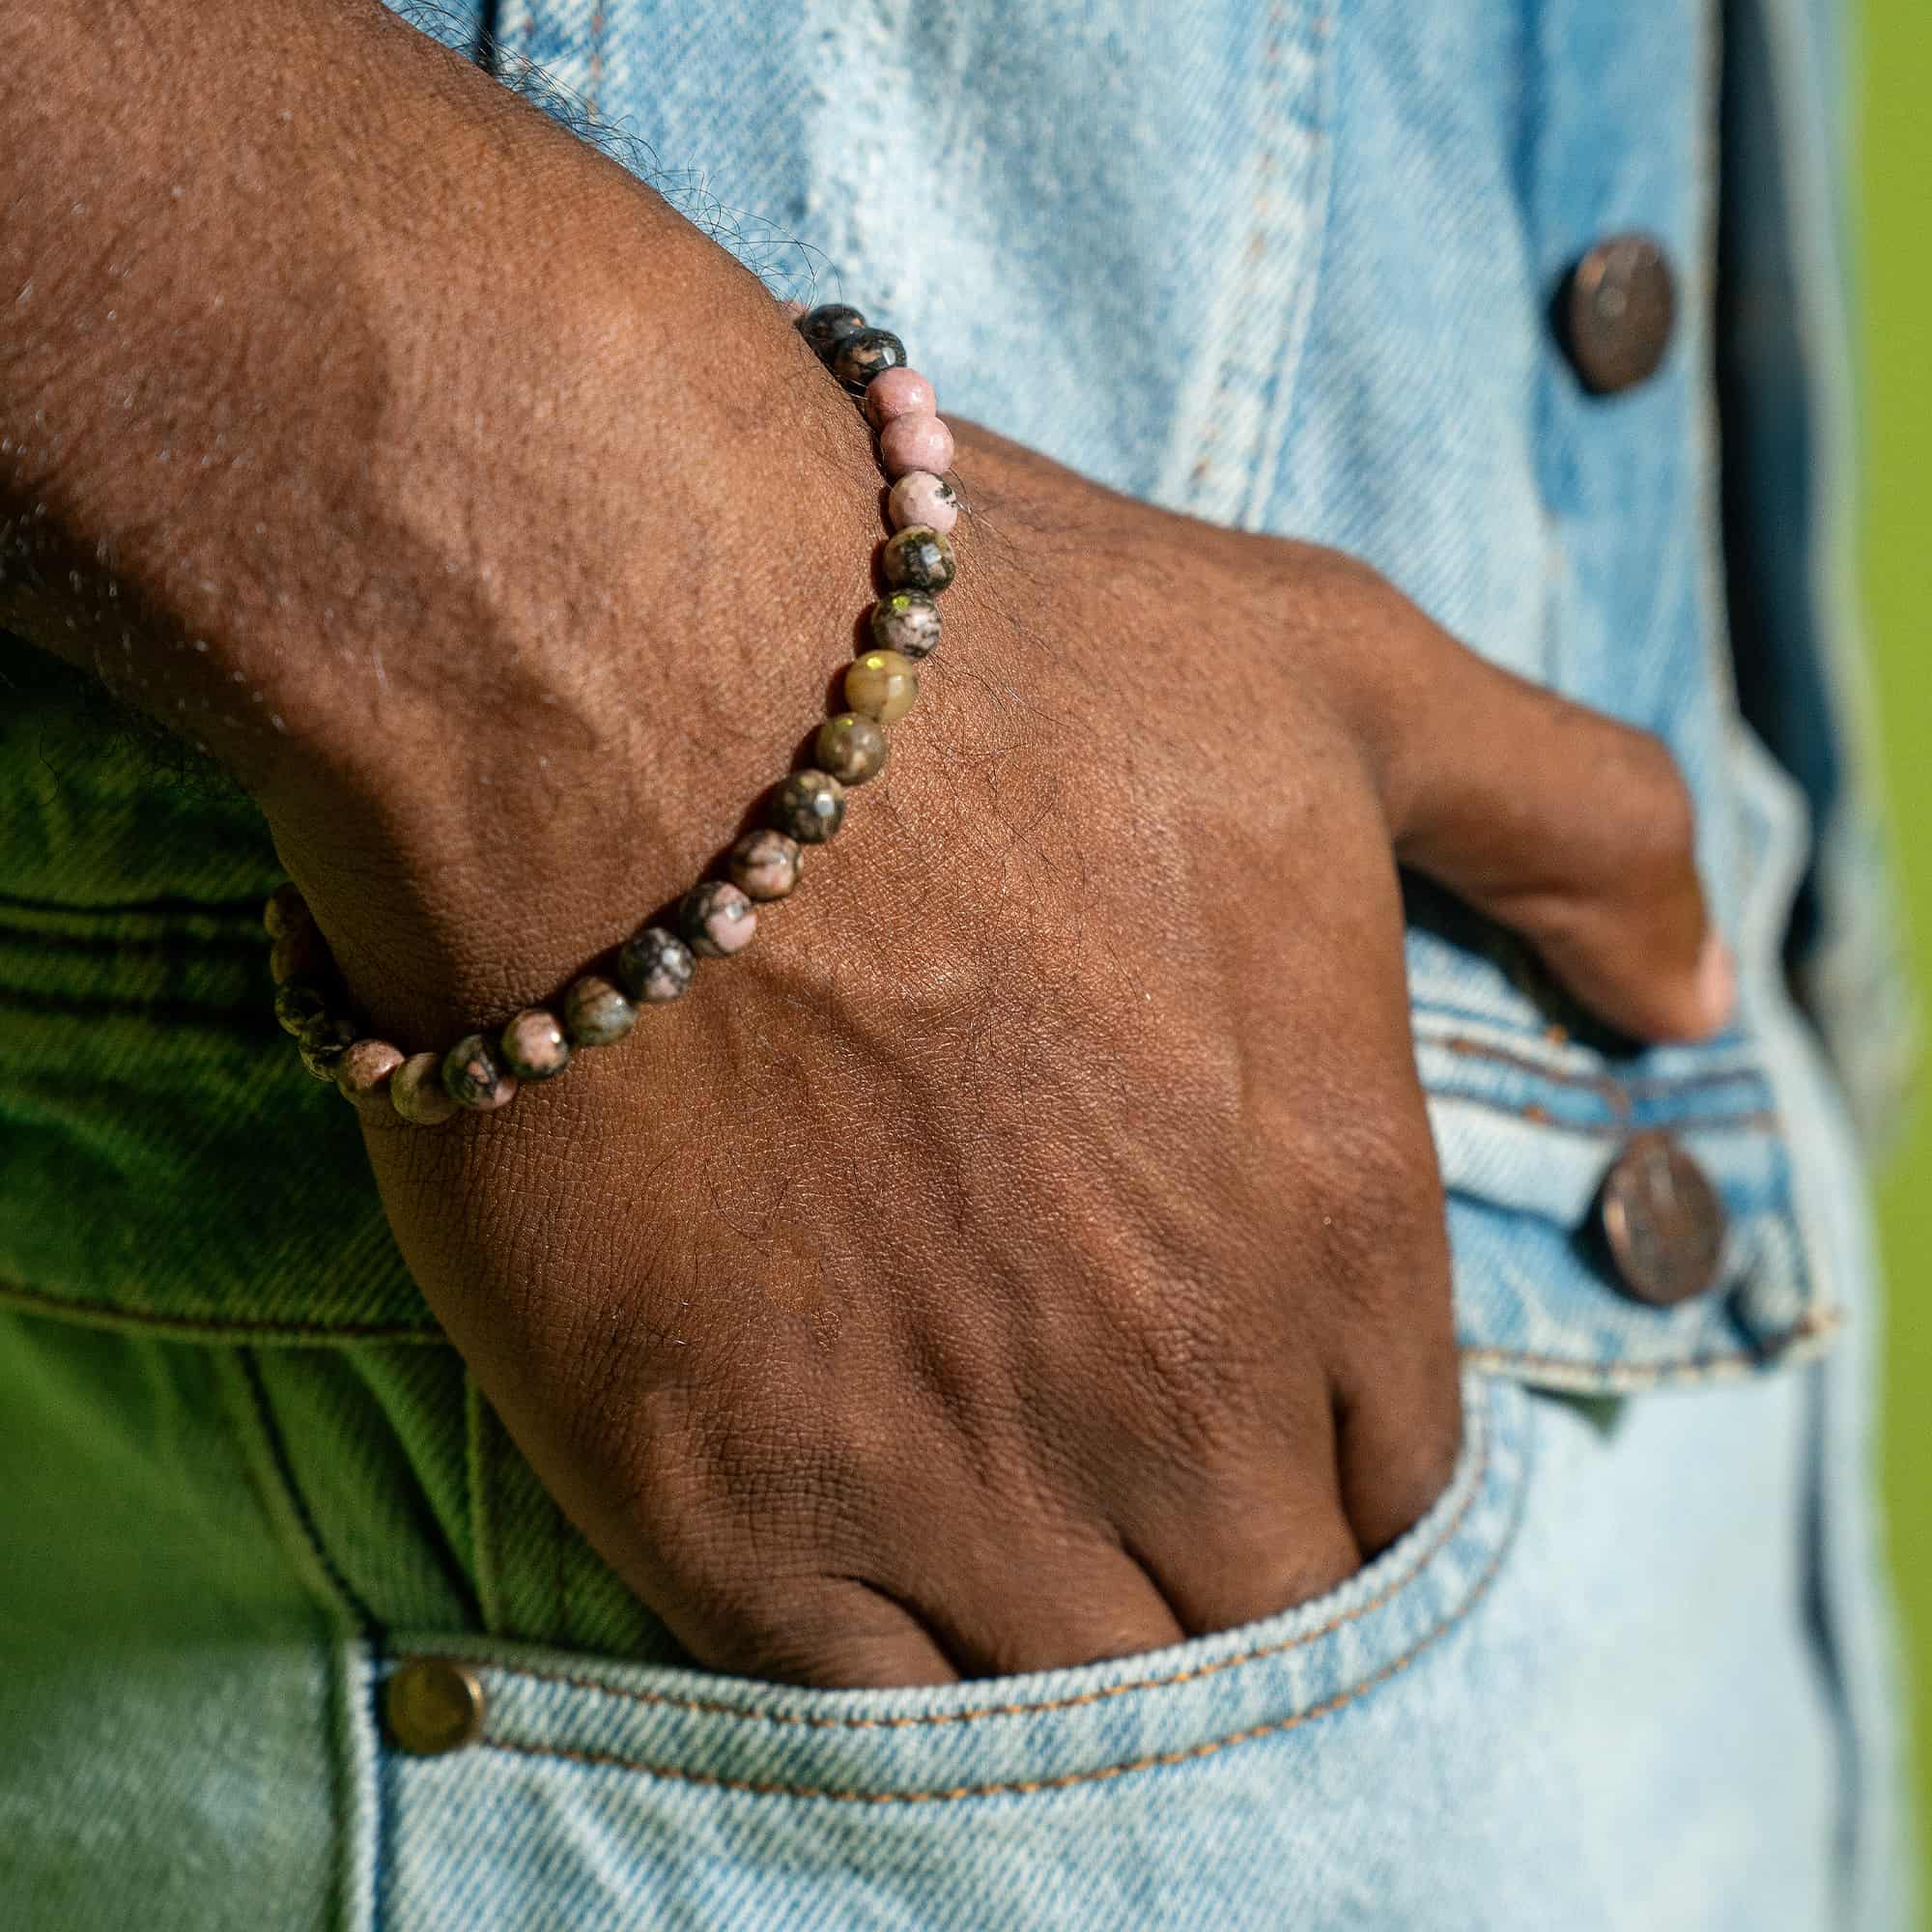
x,y
655,965
851,747
918,558
301,1003
532,1044
906,622
827,326
717,919
764,865
864,354
596,1013
474,1077
323,1040
809,806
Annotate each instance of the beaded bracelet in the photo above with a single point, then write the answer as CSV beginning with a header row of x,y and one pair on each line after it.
x,y
717,917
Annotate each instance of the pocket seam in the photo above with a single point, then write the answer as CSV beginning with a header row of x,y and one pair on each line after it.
x,y
1649,1086
1420,1560
1806,1336
1762,1122
280,1485
1065,1780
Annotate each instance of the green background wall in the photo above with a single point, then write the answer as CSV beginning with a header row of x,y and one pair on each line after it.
x,y
1898,550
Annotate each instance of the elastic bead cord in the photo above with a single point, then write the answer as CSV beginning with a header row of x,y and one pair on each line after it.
x,y
718,917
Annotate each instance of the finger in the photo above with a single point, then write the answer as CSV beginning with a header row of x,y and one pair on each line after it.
x,y
1568,827
1051,1606
1245,1533
1398,1430
838,1634
1251,1552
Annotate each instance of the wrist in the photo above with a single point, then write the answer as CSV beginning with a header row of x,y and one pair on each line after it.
x,y
383,497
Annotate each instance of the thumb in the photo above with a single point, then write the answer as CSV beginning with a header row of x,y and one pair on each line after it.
x,y
1572,830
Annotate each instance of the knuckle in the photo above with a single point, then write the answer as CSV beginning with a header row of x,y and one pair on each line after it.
x,y
1417,1442
1188,1383
1381,1219
1346,575
794,1634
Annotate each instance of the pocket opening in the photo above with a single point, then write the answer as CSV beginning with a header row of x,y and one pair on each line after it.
x,y
1042,1732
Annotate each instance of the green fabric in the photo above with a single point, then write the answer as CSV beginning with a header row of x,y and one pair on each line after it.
x,y
163,1154
165,1656
169,1174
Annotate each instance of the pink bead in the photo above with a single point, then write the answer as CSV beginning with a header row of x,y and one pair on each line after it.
x,y
416,1092
921,497
362,1073
899,392
915,442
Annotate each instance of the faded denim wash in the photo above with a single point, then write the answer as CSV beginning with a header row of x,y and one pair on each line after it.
x,y
1288,266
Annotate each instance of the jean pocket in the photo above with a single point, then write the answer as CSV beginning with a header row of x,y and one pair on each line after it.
x,y
611,1770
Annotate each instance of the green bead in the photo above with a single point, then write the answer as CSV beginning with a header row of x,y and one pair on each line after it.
x,y
827,326
881,685
595,1012
300,1003
864,354
285,912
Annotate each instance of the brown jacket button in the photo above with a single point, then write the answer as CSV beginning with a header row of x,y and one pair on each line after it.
x,y
1662,1220
1617,312
433,1705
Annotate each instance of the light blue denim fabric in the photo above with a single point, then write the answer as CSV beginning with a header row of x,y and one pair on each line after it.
x,y
1288,266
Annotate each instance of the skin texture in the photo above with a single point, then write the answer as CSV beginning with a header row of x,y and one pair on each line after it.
x,y
1052,1168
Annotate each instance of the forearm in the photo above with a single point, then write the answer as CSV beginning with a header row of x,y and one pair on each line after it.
x,y
334,376
194,336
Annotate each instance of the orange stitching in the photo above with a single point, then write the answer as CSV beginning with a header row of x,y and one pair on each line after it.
x,y
1020,1788
717,1707
1612,1086
1813,1328
1601,1084
1617,1129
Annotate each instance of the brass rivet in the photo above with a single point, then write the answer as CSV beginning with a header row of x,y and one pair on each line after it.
x,y
433,1705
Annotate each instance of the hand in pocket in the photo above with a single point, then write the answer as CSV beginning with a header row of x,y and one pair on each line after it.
x,y
1030,1250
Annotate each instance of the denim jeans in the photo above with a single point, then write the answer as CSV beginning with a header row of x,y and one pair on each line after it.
x,y
1285,266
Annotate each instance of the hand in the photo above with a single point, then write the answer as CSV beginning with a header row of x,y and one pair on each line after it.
x,y
1030,1250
